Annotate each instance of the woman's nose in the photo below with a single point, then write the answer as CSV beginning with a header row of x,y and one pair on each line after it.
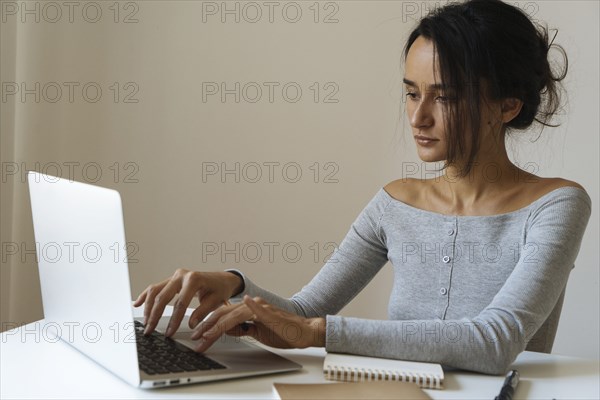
x,y
421,116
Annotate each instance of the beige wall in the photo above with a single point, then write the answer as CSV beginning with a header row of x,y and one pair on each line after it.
x,y
155,149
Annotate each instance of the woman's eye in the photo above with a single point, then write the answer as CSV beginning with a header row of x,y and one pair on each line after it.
x,y
411,95
445,99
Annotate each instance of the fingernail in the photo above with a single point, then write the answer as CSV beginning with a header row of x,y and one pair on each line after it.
x,y
193,322
169,332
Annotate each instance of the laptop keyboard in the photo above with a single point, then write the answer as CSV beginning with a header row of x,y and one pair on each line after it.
x,y
158,354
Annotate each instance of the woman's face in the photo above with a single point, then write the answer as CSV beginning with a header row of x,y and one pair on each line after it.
x,y
425,102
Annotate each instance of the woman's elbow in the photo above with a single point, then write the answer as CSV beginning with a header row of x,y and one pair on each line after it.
x,y
500,358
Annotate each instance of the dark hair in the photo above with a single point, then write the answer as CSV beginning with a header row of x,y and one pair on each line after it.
x,y
495,44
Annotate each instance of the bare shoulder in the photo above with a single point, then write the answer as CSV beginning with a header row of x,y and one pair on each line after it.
x,y
549,184
406,189
533,188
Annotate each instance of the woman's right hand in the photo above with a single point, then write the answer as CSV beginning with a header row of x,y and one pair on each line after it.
x,y
212,288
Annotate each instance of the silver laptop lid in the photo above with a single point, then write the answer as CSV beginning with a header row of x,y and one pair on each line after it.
x,y
82,260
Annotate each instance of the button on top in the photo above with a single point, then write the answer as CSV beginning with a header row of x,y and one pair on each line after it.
x,y
446,259
450,232
443,291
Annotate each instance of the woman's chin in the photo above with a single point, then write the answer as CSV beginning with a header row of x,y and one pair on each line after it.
x,y
431,158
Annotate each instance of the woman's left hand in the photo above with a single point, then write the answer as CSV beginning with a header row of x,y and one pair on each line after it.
x,y
270,326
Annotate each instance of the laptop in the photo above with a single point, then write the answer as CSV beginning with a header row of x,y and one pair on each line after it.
x,y
84,277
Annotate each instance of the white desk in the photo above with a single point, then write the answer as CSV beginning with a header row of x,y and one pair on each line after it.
x,y
31,368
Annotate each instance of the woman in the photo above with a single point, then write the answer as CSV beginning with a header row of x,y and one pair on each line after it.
x,y
481,255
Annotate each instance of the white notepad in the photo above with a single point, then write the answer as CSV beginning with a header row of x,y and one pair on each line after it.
x,y
345,367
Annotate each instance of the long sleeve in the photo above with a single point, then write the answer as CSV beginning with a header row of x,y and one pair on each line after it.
x,y
359,257
487,309
490,341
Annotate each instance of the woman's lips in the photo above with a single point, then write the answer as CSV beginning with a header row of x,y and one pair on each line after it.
x,y
425,141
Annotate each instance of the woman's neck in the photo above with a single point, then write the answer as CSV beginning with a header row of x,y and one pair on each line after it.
x,y
488,178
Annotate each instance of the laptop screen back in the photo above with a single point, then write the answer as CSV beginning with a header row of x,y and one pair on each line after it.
x,y
82,261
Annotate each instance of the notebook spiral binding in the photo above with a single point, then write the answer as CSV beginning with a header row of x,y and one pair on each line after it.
x,y
365,375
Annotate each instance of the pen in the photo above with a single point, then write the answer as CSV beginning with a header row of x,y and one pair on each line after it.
x,y
509,386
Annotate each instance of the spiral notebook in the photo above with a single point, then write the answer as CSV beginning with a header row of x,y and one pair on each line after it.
x,y
351,368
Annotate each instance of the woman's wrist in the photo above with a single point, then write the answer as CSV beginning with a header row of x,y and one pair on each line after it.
x,y
237,283
319,327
